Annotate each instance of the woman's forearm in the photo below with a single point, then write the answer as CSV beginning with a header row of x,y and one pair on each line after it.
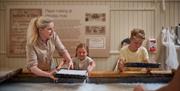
x,y
67,57
39,72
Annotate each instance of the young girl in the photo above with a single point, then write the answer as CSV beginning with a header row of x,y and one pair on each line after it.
x,y
81,60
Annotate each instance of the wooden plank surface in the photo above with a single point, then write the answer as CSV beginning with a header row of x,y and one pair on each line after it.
x,y
115,73
102,77
126,73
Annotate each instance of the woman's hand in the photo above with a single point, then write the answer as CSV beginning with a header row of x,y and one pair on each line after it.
x,y
60,65
70,65
51,75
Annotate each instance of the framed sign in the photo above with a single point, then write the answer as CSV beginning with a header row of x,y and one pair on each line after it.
x,y
19,20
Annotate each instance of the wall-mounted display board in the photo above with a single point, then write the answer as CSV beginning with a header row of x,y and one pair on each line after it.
x,y
73,23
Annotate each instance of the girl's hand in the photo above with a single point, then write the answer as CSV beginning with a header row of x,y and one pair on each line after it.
x,y
121,66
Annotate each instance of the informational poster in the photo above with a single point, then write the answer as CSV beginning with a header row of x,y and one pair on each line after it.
x,y
19,20
74,24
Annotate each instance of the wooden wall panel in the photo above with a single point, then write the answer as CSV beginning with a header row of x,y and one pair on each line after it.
x,y
124,16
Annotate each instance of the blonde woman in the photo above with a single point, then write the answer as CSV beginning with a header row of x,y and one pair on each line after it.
x,y
42,41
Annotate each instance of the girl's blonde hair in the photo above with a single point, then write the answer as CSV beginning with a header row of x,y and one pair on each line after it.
x,y
82,45
34,26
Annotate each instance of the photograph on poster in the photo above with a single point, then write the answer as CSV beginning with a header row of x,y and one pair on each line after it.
x,y
95,30
95,17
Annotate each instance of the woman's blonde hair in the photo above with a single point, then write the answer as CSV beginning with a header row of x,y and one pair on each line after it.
x,y
34,26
